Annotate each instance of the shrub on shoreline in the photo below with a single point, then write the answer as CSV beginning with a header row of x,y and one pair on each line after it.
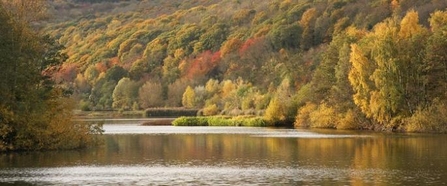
x,y
222,121
190,121
431,119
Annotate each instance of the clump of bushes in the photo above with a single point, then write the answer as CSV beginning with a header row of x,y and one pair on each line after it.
x,y
222,121
431,119
85,106
190,121
211,110
348,121
324,116
303,116
255,122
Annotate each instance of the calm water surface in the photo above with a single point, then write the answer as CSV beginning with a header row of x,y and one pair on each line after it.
x,y
166,155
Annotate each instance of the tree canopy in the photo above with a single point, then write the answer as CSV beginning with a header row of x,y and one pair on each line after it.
x,y
349,64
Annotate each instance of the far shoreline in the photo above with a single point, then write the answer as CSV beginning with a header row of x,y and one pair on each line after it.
x,y
168,120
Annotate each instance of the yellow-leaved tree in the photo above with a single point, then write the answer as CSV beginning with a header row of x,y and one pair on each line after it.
x,y
386,73
281,107
189,97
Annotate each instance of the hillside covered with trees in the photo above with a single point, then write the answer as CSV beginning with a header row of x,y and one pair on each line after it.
x,y
346,64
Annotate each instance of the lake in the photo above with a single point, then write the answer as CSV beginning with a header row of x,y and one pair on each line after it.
x,y
167,155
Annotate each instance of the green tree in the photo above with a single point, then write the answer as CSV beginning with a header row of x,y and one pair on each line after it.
x,y
212,39
435,64
341,92
116,73
101,94
185,39
125,94
171,71
281,107
386,73
152,59
285,36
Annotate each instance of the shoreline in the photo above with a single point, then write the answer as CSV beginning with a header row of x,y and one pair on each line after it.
x,y
215,121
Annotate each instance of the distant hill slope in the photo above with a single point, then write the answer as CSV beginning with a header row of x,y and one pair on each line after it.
x,y
120,51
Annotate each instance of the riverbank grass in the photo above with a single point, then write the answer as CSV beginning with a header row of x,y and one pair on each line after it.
x,y
222,121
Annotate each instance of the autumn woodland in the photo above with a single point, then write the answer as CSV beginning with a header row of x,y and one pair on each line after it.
x,y
344,64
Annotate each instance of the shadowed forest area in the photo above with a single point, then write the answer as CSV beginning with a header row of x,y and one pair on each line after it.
x,y
345,64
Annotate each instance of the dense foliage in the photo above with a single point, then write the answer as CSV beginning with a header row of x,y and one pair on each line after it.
x,y
35,113
222,121
350,64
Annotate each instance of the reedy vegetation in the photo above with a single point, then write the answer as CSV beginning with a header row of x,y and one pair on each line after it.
x,y
348,64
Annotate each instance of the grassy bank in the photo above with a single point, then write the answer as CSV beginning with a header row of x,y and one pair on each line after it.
x,y
222,121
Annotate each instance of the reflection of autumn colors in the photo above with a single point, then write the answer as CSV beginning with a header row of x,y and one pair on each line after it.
x,y
378,155
379,152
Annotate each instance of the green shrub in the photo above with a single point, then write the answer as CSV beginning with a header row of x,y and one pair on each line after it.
x,y
256,122
85,106
190,121
222,121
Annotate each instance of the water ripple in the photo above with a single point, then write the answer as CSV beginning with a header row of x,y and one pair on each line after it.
x,y
183,175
